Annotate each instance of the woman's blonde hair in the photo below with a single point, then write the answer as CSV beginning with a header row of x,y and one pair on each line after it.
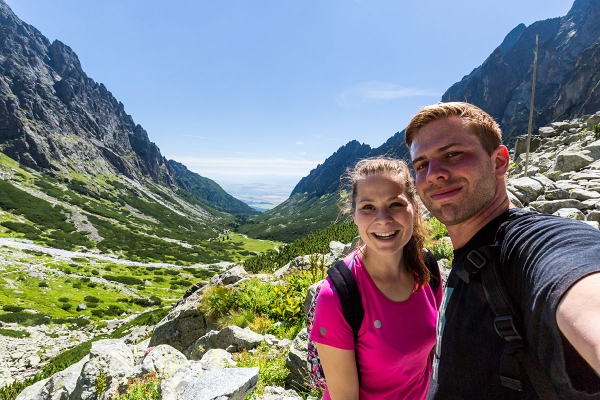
x,y
413,250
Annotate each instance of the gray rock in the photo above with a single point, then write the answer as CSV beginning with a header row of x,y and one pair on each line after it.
x,y
556,194
232,337
224,384
297,362
310,294
593,215
581,194
59,386
278,393
81,307
547,132
164,360
571,161
229,277
337,249
171,388
217,359
182,326
109,358
572,213
550,207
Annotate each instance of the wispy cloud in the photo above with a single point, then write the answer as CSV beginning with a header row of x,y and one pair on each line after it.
x,y
299,142
245,166
382,91
201,137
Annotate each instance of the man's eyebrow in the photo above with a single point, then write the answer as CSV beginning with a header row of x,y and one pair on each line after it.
x,y
437,151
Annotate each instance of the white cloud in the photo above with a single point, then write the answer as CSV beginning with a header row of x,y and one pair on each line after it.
x,y
299,143
201,137
373,91
244,166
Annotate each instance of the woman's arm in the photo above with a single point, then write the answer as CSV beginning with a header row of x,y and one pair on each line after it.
x,y
339,367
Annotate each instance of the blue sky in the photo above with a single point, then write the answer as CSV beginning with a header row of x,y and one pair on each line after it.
x,y
255,94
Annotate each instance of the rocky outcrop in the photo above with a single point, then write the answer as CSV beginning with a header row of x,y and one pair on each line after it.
x,y
564,170
567,72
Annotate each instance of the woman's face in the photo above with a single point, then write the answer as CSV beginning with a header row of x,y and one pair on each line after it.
x,y
383,214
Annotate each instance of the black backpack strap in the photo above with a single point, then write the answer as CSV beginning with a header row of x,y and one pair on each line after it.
x,y
516,352
352,307
434,269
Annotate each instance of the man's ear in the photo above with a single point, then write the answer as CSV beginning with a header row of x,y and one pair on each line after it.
x,y
501,158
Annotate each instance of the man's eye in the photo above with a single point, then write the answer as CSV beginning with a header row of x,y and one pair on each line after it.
x,y
421,166
453,154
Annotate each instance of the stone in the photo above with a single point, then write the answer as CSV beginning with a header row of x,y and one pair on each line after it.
x,y
581,194
547,132
570,161
550,207
279,393
297,362
217,359
233,336
164,360
110,358
572,213
182,326
81,307
593,215
229,277
229,383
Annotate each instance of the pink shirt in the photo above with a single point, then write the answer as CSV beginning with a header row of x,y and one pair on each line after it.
x,y
394,341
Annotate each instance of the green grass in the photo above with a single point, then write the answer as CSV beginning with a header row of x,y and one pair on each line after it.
x,y
14,333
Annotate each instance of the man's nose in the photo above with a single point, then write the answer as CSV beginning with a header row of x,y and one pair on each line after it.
x,y
437,171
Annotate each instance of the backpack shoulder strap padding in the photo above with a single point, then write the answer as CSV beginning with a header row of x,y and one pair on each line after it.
x,y
347,290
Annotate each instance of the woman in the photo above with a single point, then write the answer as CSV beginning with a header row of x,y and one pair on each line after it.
x,y
398,330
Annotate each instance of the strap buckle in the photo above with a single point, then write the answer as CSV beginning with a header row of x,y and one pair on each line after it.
x,y
505,327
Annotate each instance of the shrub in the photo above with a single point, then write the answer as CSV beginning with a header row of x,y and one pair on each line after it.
x,y
43,284
66,306
113,310
442,249
98,313
84,279
9,308
92,284
13,333
126,280
91,299
77,285
63,299
145,387
95,272
156,300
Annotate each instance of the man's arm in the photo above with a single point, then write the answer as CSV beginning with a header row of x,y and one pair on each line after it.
x,y
578,318
339,367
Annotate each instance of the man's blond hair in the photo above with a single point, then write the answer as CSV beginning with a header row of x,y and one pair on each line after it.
x,y
478,121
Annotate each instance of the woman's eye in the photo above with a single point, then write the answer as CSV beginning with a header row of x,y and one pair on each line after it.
x,y
368,207
397,205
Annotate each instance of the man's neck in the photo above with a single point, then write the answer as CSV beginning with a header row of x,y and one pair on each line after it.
x,y
460,234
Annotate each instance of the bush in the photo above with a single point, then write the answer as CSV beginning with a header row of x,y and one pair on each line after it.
x,y
156,300
77,285
14,334
98,313
91,299
145,387
43,284
9,308
126,280
66,306
95,272
64,299
113,310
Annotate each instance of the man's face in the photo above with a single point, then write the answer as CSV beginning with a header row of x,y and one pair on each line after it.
x,y
454,175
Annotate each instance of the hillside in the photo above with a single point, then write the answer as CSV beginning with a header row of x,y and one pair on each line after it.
x,y
56,120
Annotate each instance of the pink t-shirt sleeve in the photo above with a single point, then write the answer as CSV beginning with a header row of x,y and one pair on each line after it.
x,y
330,328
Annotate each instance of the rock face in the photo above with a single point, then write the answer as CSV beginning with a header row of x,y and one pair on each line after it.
x,y
54,118
567,72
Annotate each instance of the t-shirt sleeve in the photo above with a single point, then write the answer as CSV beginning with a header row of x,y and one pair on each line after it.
x,y
439,293
546,256
330,327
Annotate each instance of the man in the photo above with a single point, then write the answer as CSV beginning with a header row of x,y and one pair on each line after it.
x,y
550,267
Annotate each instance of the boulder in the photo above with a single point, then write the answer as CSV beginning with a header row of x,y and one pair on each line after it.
x,y
111,361
217,359
572,213
297,362
581,194
229,277
231,338
572,161
164,360
548,131
61,385
182,326
550,207
229,383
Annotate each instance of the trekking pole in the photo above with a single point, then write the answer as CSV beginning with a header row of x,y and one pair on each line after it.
x,y
532,100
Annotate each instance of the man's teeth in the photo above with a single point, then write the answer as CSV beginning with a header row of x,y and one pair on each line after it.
x,y
385,235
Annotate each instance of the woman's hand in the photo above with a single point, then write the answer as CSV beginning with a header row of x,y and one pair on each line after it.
x,y
339,367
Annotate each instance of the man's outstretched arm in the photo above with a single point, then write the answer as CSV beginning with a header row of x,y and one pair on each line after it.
x,y
578,318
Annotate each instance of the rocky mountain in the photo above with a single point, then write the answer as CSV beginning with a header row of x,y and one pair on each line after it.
x,y
568,77
57,120
567,72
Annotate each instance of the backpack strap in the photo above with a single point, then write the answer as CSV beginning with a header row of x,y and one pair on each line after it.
x,y
434,269
352,307
516,351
